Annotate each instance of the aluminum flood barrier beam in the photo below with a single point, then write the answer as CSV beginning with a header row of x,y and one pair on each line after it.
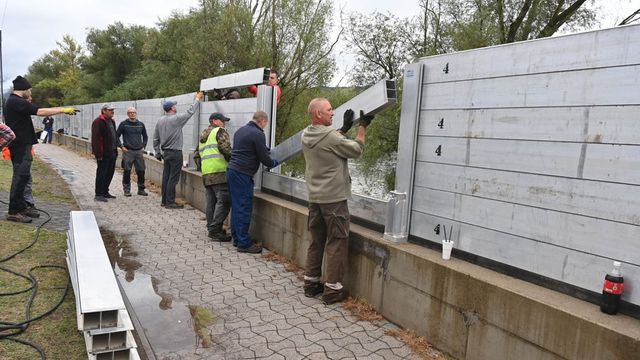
x,y
239,79
373,100
98,296
360,206
101,314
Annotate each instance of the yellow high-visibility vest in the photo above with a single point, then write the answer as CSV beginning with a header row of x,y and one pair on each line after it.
x,y
212,160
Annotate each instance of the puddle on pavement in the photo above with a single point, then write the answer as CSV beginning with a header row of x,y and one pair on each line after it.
x,y
171,327
67,174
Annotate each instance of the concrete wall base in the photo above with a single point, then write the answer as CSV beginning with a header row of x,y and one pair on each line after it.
x,y
465,310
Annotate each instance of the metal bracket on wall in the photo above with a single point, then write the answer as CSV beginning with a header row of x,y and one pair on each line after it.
x,y
373,100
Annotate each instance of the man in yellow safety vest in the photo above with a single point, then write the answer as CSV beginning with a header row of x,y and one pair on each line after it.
x,y
213,153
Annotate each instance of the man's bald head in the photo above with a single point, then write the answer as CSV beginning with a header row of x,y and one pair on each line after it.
x,y
320,111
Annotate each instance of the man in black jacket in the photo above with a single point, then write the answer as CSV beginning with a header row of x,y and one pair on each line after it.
x,y
134,140
18,112
104,144
47,122
249,151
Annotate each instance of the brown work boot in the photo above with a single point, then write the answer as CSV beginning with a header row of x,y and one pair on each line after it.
x,y
20,218
312,288
31,212
330,296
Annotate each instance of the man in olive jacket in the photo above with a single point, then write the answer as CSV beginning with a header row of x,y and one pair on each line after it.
x,y
326,151
212,155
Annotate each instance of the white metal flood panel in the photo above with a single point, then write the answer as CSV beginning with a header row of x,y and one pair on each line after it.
x,y
240,111
531,152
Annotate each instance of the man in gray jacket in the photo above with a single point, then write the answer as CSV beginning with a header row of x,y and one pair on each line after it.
x,y
167,145
326,152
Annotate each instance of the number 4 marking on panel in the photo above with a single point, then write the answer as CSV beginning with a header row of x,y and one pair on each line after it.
x,y
441,123
439,150
437,229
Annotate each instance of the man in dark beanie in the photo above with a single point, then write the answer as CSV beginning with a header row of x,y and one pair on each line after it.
x,y
18,112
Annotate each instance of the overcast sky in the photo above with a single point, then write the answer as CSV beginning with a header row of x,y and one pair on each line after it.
x,y
30,28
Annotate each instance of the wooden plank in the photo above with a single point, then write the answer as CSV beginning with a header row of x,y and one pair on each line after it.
x,y
609,201
590,235
601,48
567,265
597,124
605,86
560,159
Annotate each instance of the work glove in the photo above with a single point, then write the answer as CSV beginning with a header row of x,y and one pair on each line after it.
x,y
365,120
70,111
274,163
347,121
159,156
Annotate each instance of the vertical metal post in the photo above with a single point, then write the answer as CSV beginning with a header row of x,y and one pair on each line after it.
x,y
399,208
266,101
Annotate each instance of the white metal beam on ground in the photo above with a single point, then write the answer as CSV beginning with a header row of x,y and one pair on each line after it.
x,y
128,354
373,100
239,79
98,297
109,342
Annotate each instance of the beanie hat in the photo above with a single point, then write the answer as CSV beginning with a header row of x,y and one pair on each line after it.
x,y
21,83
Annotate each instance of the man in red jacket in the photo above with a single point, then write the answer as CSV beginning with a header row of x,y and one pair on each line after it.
x,y
104,144
273,82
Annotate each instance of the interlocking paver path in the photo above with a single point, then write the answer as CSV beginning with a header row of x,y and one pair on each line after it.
x,y
260,310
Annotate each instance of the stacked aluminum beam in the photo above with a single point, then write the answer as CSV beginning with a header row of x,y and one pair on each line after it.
x,y
102,315
371,101
239,79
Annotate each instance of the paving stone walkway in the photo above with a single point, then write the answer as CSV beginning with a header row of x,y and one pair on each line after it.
x,y
259,308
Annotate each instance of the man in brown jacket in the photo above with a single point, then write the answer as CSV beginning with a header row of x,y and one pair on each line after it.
x,y
326,152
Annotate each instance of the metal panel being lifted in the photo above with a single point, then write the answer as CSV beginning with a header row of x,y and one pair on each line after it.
x,y
371,101
239,79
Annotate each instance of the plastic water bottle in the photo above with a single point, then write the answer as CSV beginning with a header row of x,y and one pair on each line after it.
x,y
612,290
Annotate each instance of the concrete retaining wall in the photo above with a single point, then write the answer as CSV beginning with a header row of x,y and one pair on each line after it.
x,y
463,309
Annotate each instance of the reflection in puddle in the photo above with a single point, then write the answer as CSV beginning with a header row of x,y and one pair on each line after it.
x,y
166,324
169,326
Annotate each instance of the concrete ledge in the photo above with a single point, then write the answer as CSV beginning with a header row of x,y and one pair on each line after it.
x,y
463,309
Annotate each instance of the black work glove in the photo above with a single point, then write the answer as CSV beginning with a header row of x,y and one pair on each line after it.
x,y
347,121
365,120
159,156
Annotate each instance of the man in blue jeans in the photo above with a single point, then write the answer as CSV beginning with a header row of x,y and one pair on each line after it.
x,y
249,151
47,122
167,144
